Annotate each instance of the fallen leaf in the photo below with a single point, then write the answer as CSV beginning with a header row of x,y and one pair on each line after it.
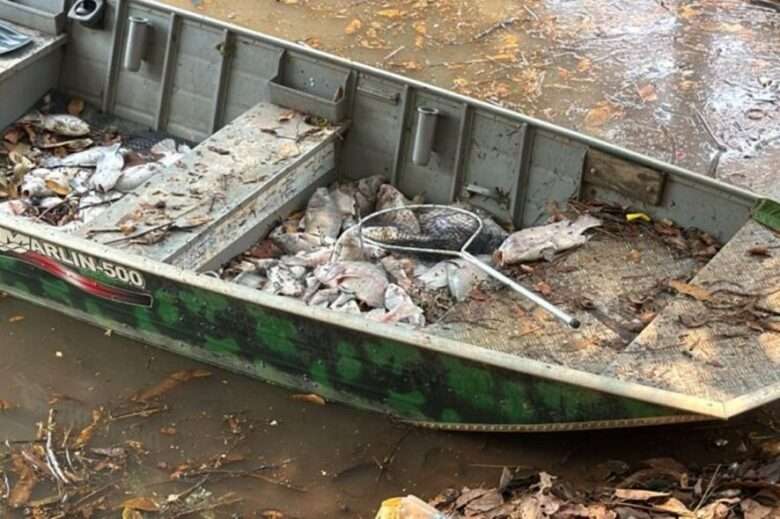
x,y
759,250
288,150
129,513
647,93
752,509
543,288
168,431
5,405
22,491
353,26
170,382
674,506
310,398
630,494
13,135
87,432
58,188
695,291
770,343
584,65
600,114
389,13
647,316
16,319
76,106
272,514
145,504
635,256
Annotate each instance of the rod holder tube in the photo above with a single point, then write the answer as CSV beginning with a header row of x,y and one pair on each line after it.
x,y
425,134
138,32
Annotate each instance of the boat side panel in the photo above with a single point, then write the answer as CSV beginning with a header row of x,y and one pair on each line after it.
x,y
411,383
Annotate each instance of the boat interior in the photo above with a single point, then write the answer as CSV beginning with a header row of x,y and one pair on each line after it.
x,y
270,122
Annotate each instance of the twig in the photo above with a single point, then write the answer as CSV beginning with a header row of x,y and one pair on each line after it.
x,y
388,460
500,25
715,139
274,481
143,413
150,229
712,169
50,456
708,491
392,54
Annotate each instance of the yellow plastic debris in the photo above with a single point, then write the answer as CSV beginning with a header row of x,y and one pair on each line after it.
x,y
630,217
409,507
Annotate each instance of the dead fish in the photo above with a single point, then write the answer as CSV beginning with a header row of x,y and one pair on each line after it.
x,y
350,248
349,307
47,202
13,208
295,242
344,198
72,144
544,241
463,276
405,220
94,204
83,159
135,176
435,277
401,271
285,281
400,308
365,280
61,124
250,279
109,169
366,193
324,297
322,217
313,258
34,185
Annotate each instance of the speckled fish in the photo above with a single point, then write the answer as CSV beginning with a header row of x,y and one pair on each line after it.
x,y
365,280
544,241
405,220
295,242
401,270
34,186
399,308
287,281
61,124
322,217
109,169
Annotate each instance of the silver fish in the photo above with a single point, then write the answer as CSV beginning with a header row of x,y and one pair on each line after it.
x,y
322,217
435,277
48,202
351,249
463,276
399,308
135,176
13,208
295,242
366,193
83,159
34,186
109,169
285,281
544,241
405,220
324,297
311,259
349,307
61,124
250,279
400,270
365,280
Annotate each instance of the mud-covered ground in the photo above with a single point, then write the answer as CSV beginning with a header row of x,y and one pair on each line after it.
x,y
695,83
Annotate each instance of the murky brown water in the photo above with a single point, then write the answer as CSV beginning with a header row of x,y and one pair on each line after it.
x,y
635,73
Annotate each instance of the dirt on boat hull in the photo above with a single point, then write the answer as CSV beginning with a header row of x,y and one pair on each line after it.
x,y
409,382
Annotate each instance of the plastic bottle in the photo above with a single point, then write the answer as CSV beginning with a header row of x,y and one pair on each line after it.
x,y
409,507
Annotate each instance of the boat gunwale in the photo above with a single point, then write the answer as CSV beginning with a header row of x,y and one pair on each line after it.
x,y
594,142
419,339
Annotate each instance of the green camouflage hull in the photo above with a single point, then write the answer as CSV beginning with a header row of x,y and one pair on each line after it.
x,y
410,382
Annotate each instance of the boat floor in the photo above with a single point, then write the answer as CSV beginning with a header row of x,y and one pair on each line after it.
x,y
717,340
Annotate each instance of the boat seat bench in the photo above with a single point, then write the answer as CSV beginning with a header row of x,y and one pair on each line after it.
x,y
28,73
231,188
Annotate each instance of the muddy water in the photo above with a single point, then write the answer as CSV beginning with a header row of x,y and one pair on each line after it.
x,y
686,83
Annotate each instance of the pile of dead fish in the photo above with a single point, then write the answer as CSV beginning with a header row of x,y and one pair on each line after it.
x,y
56,172
318,257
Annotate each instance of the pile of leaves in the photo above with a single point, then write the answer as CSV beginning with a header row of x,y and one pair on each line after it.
x,y
661,488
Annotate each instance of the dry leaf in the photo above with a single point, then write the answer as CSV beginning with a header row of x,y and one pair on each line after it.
x,y
543,288
674,506
129,513
696,292
145,504
13,135
390,13
310,398
168,431
288,150
688,11
16,319
584,65
752,509
170,382
59,189
635,256
86,433
272,514
5,405
22,490
76,106
630,494
353,26
600,114
759,250
647,93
